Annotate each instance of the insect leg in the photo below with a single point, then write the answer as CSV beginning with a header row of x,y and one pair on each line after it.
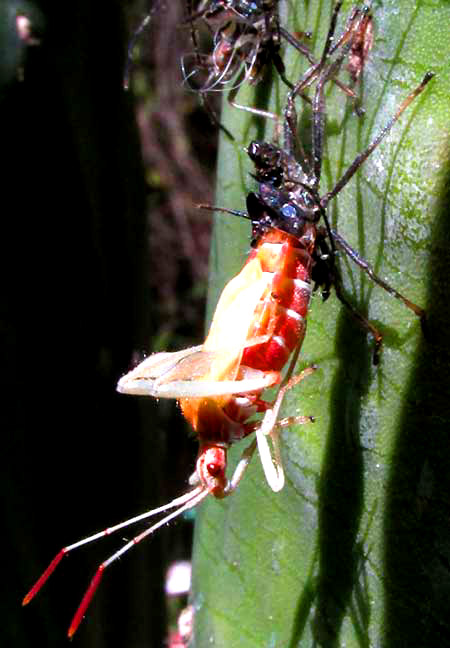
x,y
318,110
271,459
292,143
271,416
279,66
212,115
287,421
191,19
364,265
292,40
194,15
306,52
359,159
328,275
290,115
240,469
327,74
363,321
259,112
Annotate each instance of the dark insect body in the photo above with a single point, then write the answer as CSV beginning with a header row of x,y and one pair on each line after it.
x,y
361,46
244,34
247,37
288,197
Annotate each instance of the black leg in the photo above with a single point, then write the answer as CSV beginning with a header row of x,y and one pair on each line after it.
x,y
361,319
364,265
326,274
358,161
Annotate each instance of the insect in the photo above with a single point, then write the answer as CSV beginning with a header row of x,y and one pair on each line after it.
x,y
244,33
259,322
288,196
136,34
219,383
247,37
361,46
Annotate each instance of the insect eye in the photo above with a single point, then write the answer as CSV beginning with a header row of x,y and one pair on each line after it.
x,y
253,149
213,469
289,211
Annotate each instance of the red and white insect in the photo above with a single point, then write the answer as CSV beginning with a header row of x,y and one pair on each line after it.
x,y
259,321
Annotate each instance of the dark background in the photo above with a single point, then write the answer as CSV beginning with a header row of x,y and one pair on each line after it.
x,y
102,256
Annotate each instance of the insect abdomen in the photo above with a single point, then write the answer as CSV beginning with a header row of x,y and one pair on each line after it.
x,y
282,309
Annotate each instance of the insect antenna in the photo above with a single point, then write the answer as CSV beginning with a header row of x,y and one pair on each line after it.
x,y
224,210
133,40
193,16
183,503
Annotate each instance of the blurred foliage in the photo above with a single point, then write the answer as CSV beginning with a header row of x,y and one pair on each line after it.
x,y
179,147
103,256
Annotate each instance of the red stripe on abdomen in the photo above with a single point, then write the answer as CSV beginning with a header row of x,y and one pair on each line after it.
x,y
282,311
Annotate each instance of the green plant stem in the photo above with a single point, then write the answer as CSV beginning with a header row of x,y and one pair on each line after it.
x,y
355,550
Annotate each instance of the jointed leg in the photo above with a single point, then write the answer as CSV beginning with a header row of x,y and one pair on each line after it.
x,y
271,458
270,418
362,321
212,115
240,469
330,276
259,112
328,73
360,159
287,421
364,265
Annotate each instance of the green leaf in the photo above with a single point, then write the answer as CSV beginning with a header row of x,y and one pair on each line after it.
x,y
355,550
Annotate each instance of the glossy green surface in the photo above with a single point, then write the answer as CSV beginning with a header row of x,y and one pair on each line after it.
x,y
355,551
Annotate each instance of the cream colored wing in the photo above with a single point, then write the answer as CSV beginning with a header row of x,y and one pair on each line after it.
x,y
210,369
187,374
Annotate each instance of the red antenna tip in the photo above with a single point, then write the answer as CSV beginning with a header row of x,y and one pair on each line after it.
x,y
45,576
85,601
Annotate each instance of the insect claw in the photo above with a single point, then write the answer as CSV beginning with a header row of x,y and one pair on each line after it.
x,y
424,325
377,352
